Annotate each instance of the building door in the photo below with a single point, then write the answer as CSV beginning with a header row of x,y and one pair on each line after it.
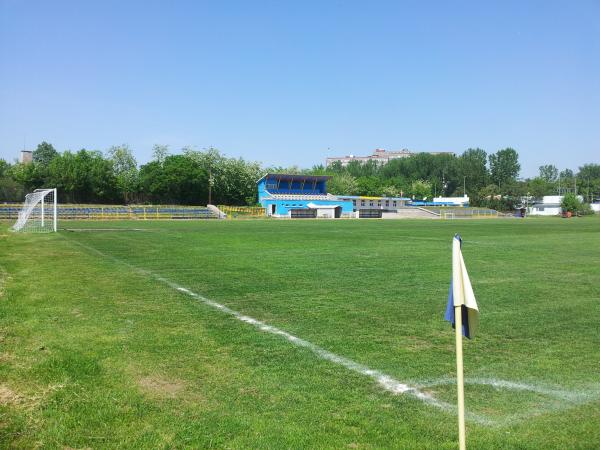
x,y
303,213
273,209
369,213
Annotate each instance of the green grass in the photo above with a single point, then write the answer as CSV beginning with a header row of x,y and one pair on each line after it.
x,y
94,353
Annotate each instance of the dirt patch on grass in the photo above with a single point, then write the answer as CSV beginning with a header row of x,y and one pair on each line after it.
x,y
161,387
9,397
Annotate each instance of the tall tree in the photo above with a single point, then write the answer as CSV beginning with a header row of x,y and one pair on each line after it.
x,y
420,189
29,176
342,184
472,166
504,166
125,170
538,187
566,174
548,173
3,167
370,186
591,171
83,177
472,173
160,152
44,153
179,180
589,181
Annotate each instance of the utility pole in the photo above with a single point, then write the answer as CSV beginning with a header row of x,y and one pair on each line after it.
x,y
465,185
443,183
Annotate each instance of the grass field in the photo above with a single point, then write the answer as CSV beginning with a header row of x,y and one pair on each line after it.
x,y
144,335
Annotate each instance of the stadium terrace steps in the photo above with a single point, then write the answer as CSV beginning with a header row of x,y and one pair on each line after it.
x,y
410,212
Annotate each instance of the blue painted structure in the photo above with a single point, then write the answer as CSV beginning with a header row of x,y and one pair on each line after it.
x,y
280,194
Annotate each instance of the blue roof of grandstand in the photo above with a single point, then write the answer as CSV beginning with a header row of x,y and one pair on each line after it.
x,y
289,176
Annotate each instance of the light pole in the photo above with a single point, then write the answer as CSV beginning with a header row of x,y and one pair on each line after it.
x,y
210,183
464,185
443,183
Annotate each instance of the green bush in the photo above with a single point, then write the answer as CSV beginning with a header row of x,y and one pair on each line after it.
x,y
570,203
584,209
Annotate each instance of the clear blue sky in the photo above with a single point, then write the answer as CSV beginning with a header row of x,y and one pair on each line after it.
x,y
293,82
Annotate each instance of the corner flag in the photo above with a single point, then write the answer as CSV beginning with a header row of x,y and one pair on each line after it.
x,y
461,293
462,312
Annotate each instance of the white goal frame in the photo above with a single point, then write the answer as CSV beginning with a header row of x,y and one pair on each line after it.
x,y
39,213
448,215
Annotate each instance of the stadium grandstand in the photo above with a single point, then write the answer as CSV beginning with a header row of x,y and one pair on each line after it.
x,y
300,196
306,196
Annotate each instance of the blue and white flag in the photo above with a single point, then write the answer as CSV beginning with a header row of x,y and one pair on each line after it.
x,y
461,293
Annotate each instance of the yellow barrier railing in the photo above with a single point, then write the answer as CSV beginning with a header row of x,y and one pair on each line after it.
x,y
137,212
242,211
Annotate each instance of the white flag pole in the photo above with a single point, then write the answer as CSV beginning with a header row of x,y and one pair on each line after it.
x,y
458,295
460,387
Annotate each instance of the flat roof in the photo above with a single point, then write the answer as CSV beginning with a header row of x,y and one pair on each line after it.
x,y
363,197
294,177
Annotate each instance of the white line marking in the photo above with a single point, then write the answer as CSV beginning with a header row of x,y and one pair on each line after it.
x,y
385,381
561,394
556,399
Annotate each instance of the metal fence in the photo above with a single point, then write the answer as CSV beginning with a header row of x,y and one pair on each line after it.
x,y
465,212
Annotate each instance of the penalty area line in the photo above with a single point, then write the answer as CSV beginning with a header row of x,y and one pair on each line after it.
x,y
384,381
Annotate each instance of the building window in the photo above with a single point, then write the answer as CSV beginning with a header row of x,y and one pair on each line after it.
x,y
354,202
387,203
362,203
370,203
394,203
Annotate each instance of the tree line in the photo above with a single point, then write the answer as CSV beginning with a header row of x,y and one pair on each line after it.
x,y
490,180
195,177
114,177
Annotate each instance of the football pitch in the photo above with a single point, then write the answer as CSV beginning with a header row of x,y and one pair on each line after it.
x,y
297,334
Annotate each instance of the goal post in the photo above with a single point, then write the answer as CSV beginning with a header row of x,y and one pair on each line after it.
x,y
39,213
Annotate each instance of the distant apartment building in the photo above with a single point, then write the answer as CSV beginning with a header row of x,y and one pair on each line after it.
x,y
26,156
379,155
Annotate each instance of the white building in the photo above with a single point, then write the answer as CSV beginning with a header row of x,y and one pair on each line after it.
x,y
550,206
26,156
379,155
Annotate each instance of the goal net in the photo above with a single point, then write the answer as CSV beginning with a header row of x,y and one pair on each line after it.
x,y
448,215
39,213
